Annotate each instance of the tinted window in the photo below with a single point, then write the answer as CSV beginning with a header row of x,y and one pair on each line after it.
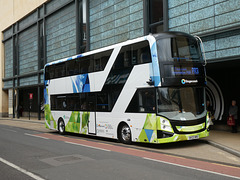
x,y
102,101
96,101
144,100
156,11
47,75
60,70
91,102
104,61
101,59
72,67
179,49
73,102
185,48
83,65
49,72
134,54
59,103
181,103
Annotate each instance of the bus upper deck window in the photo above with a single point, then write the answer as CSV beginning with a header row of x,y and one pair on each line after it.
x,y
72,67
84,66
49,72
47,75
60,70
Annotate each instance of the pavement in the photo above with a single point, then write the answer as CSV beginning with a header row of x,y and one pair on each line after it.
x,y
220,137
225,140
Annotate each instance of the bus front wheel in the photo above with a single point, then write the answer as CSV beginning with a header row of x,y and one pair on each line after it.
x,y
61,127
125,134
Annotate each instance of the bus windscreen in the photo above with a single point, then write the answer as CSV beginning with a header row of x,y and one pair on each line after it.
x,y
179,49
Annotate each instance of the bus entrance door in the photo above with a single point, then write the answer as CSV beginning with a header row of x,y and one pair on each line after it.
x,y
92,123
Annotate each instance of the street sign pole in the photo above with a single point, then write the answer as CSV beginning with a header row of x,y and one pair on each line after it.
x,y
30,103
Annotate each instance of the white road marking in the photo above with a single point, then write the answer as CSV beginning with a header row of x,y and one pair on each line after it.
x,y
10,130
35,136
21,169
87,146
191,168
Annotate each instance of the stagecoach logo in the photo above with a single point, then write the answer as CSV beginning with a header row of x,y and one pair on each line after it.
x,y
185,81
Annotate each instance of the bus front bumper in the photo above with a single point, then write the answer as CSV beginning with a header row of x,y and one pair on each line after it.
x,y
167,138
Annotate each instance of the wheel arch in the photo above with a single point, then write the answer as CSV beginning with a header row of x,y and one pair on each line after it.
x,y
122,123
119,126
59,119
61,131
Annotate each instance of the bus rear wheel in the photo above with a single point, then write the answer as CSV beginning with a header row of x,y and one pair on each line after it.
x,y
124,134
61,127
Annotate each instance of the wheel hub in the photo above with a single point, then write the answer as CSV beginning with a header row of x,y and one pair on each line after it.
x,y
126,133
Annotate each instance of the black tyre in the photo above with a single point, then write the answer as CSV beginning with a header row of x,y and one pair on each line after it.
x,y
124,134
61,127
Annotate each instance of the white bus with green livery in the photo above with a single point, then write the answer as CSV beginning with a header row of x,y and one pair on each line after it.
x,y
150,89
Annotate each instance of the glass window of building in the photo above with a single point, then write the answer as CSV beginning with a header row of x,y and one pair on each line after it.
x,y
157,13
54,30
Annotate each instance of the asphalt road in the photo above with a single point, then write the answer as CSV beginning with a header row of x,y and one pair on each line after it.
x,y
29,154
197,149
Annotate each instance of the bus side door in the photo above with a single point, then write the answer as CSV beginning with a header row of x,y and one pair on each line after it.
x,y
91,100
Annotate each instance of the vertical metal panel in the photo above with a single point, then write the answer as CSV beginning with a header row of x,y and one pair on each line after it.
x,y
7,33
8,53
146,17
53,5
30,19
60,33
39,103
28,50
78,25
87,26
165,15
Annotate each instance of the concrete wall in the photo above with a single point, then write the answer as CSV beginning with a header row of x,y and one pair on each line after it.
x,y
10,12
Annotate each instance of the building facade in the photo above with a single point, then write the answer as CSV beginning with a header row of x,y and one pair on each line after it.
x,y
217,23
37,32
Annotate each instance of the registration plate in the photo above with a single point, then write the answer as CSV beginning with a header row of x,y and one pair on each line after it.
x,y
193,137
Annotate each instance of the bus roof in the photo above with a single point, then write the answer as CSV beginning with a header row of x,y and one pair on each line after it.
x,y
148,37
100,50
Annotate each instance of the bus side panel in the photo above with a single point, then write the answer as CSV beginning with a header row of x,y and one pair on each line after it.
x,y
143,126
73,84
97,79
75,121
49,120
156,70
65,115
78,122
137,79
148,130
108,123
50,123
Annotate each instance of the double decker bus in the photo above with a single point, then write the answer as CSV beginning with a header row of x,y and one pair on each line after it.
x,y
150,89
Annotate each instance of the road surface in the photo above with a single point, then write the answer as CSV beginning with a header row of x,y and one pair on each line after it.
x,y
31,154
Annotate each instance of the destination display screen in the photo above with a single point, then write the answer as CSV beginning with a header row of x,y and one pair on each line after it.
x,y
176,71
185,71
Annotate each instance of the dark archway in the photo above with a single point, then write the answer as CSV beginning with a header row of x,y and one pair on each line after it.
x,y
223,86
